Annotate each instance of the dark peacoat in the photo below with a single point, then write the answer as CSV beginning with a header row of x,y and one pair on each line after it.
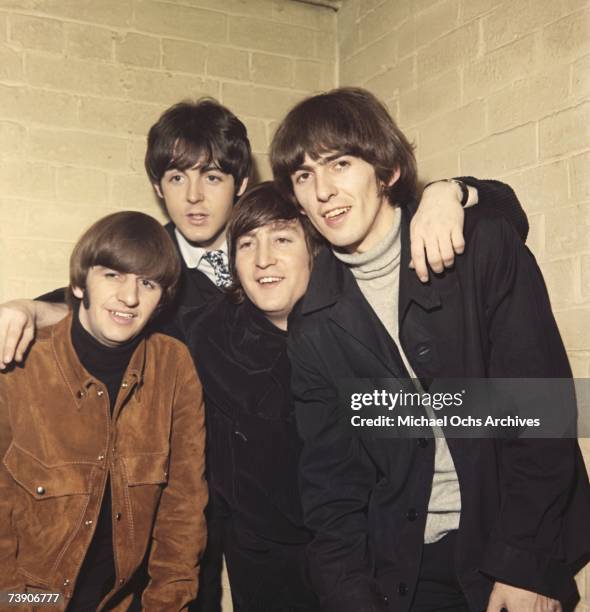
x,y
525,503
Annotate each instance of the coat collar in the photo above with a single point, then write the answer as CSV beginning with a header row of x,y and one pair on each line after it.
x,y
333,286
330,279
75,375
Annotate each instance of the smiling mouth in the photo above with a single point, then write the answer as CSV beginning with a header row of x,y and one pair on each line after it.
x,y
269,280
118,314
336,212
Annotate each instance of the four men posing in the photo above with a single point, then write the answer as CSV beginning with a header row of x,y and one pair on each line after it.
x,y
382,516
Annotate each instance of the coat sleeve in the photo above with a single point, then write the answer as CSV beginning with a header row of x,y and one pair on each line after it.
x,y
8,542
179,534
538,476
500,197
336,478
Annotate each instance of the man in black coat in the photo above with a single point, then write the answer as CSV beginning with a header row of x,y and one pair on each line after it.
x,y
419,524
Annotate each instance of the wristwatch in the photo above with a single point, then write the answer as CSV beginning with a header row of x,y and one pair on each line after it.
x,y
461,184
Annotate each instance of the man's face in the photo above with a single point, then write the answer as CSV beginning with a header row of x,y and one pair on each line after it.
x,y
199,201
273,266
119,304
344,200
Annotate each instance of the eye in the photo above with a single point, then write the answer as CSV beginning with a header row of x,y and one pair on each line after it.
x,y
146,283
283,240
244,244
176,178
214,178
341,164
111,274
301,177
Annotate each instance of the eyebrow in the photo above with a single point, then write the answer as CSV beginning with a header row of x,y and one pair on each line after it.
x,y
323,160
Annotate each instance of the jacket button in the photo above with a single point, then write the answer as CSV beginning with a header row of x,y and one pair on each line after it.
x,y
87,523
40,490
385,599
124,384
80,394
100,457
412,514
402,588
422,442
122,581
66,582
100,393
118,516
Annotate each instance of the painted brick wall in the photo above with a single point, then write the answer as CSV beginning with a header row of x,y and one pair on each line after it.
x,y
81,81
495,88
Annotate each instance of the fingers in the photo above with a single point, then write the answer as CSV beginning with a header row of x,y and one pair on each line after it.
x,y
24,343
457,240
11,339
16,333
418,258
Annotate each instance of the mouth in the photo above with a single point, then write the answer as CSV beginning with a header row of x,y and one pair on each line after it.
x,y
122,317
336,213
269,281
197,218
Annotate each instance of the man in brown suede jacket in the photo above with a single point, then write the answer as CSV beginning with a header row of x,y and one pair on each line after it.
x,y
102,438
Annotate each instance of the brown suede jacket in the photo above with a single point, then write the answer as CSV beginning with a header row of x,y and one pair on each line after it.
x,y
59,443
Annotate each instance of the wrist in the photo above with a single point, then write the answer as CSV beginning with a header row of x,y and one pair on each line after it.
x,y
461,190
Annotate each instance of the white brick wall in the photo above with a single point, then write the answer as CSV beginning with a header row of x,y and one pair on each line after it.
x,y
81,82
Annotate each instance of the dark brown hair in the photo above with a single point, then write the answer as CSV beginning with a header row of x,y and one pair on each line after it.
x,y
262,205
128,242
190,131
348,121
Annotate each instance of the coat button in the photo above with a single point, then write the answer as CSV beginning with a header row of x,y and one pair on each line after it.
x,y
80,394
87,523
124,384
100,393
66,582
412,514
40,490
122,581
402,588
100,458
385,599
422,442
118,516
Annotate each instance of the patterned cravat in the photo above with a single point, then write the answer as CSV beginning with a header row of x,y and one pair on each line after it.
x,y
222,276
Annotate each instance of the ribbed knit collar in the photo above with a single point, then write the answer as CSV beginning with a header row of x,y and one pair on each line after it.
x,y
99,360
380,260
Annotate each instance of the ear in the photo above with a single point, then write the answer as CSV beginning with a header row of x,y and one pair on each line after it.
x,y
242,188
79,293
394,177
158,190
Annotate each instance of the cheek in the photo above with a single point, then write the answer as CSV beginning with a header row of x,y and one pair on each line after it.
x,y
241,268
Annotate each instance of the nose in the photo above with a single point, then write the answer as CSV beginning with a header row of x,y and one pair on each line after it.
x,y
264,254
128,291
194,192
324,186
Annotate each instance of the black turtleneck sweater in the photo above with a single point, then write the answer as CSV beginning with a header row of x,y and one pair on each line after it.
x,y
108,365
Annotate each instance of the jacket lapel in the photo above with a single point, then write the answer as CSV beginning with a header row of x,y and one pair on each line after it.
x,y
332,284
